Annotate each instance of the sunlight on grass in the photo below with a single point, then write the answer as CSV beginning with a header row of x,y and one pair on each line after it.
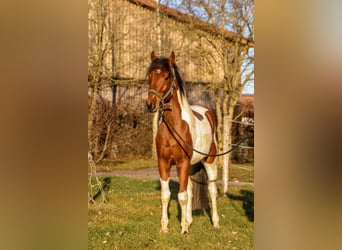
x,y
132,219
243,173
106,165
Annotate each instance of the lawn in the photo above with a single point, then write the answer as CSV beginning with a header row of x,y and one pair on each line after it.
x,y
131,219
109,165
243,173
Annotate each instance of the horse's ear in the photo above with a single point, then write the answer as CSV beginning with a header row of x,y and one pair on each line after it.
x,y
153,56
172,60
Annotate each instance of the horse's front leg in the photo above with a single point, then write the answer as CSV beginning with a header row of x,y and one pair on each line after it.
x,y
164,172
183,175
165,198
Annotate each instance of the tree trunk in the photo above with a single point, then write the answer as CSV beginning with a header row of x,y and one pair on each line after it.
x,y
219,130
226,142
105,146
227,138
91,120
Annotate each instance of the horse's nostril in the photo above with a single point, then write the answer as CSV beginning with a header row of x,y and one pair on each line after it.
x,y
151,106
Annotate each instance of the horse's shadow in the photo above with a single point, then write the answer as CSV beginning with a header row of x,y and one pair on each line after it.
x,y
247,198
174,188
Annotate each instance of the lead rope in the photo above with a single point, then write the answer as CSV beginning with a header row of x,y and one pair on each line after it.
x,y
192,148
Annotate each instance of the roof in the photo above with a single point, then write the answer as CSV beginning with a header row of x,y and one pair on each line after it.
x,y
179,16
246,100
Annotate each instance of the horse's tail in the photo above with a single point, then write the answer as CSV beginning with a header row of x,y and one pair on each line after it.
x,y
199,181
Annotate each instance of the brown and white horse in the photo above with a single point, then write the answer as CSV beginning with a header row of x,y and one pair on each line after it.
x,y
182,128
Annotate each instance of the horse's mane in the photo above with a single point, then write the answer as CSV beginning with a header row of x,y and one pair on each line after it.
x,y
180,81
162,63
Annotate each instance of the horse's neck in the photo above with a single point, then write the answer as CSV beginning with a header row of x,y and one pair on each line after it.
x,y
185,110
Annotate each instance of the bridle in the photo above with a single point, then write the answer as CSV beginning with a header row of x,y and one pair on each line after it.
x,y
168,94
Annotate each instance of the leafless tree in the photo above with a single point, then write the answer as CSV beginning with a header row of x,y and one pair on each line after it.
x,y
230,35
98,49
114,58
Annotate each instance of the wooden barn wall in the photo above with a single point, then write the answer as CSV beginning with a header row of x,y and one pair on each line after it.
x,y
130,34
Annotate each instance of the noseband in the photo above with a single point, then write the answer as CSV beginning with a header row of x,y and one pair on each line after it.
x,y
168,94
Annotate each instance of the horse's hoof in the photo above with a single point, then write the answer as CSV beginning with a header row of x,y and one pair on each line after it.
x,y
164,230
185,232
216,223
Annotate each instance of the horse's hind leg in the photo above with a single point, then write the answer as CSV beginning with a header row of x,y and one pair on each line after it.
x,y
211,170
189,206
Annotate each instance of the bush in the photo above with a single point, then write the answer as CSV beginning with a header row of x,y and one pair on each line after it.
x,y
120,131
133,134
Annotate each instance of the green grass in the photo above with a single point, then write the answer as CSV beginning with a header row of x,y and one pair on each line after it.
x,y
107,165
241,173
131,219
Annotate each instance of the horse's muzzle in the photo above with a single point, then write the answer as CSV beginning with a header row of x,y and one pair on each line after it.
x,y
151,107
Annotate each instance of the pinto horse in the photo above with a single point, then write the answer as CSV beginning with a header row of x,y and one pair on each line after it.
x,y
184,132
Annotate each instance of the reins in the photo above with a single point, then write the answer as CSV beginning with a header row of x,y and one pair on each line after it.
x,y
191,147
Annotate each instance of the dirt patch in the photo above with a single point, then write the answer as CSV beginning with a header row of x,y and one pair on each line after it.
x,y
153,173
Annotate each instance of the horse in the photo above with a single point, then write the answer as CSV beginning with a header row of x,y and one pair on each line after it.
x,y
184,132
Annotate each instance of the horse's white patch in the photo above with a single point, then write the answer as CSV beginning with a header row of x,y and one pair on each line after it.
x,y
200,129
202,138
165,191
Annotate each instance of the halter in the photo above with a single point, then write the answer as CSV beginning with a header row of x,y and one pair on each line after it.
x,y
168,94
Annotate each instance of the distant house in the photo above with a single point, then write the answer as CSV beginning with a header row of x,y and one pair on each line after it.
x,y
243,128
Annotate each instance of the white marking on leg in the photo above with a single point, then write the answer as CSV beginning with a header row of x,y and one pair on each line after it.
x,y
211,169
183,200
189,206
213,195
165,198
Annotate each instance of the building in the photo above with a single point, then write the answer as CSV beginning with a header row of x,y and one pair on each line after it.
x,y
131,29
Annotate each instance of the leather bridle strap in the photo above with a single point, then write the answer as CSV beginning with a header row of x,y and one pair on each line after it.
x,y
168,94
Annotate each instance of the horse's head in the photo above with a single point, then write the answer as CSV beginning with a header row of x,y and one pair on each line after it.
x,y
161,81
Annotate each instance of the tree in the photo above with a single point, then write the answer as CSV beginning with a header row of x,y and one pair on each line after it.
x,y
99,46
112,31
230,34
